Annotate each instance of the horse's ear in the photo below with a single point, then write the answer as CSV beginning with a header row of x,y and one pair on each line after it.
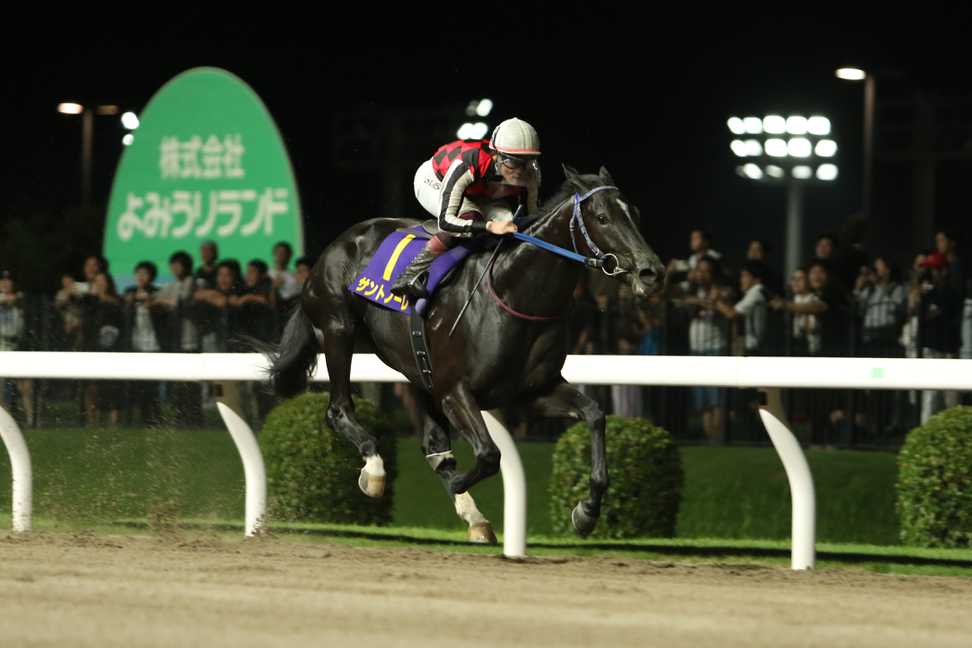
x,y
569,172
605,176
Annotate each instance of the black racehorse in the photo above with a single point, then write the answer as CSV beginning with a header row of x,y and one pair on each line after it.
x,y
507,350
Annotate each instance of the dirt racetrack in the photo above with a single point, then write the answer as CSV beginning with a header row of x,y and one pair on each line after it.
x,y
60,589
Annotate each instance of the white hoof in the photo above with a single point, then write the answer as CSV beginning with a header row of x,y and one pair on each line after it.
x,y
482,533
371,481
370,485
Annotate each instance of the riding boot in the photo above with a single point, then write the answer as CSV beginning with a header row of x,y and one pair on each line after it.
x,y
412,280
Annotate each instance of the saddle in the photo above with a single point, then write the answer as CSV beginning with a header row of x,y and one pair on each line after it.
x,y
431,227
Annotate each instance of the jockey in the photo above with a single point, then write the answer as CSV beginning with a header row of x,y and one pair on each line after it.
x,y
474,187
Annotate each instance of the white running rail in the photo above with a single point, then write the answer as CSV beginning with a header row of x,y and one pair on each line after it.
x,y
703,371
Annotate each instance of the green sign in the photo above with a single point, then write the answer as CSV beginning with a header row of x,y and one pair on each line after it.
x,y
207,163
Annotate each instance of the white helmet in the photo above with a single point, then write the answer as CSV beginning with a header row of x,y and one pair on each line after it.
x,y
515,137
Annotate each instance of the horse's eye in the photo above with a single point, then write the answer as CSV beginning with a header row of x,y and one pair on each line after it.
x,y
603,219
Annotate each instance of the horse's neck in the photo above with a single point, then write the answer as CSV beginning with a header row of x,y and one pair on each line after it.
x,y
554,276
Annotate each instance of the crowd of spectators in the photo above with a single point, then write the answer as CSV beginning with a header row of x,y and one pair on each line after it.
x,y
844,302
212,306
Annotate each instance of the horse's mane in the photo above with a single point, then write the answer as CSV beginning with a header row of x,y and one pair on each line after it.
x,y
567,189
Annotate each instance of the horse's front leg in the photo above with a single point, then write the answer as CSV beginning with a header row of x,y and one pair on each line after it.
x,y
438,454
567,402
462,410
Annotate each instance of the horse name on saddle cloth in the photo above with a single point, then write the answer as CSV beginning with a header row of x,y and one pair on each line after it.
x,y
390,260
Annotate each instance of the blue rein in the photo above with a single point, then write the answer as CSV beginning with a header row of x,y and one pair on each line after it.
x,y
556,249
577,222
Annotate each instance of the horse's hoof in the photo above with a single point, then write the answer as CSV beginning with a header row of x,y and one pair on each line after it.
x,y
583,522
371,485
482,533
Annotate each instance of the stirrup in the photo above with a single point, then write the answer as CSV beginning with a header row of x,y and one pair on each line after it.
x,y
414,287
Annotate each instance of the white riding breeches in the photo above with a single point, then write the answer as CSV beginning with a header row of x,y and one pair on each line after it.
x,y
428,191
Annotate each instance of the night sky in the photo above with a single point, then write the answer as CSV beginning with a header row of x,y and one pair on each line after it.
x,y
647,94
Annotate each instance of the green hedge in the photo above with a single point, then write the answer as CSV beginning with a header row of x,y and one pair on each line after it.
x,y
312,471
935,481
645,475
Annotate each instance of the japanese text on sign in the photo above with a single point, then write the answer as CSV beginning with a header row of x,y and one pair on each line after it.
x,y
184,213
196,158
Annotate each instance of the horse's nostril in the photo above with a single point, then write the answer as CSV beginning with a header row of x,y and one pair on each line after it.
x,y
647,274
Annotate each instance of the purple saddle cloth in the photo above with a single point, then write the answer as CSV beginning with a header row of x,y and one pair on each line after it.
x,y
390,260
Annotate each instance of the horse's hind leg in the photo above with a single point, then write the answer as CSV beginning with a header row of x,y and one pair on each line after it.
x,y
438,453
338,351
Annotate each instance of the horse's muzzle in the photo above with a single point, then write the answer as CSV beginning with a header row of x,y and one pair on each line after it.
x,y
647,281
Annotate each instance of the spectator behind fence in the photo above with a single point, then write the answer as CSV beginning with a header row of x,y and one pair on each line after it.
x,y
582,326
176,297
881,304
909,332
760,250
707,337
215,304
939,309
143,312
600,342
212,305
254,305
831,310
67,302
803,332
237,272
304,266
145,323
829,307
627,400
946,243
580,322
642,336
680,270
652,315
205,274
256,317
827,249
12,333
805,328
751,308
93,266
881,301
966,351
102,331
286,288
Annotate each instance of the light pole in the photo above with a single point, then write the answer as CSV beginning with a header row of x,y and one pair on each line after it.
x,y
870,90
794,152
129,121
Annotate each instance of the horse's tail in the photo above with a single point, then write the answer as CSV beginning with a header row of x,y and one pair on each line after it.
x,y
294,359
